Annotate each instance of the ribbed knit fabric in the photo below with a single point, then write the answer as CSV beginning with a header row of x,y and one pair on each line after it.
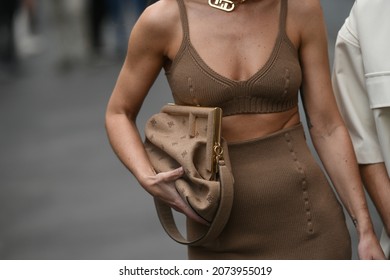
x,y
273,88
284,207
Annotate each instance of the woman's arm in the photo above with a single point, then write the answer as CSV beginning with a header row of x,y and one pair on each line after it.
x,y
148,50
329,134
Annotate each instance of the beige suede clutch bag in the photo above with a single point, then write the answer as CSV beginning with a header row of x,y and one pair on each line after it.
x,y
190,136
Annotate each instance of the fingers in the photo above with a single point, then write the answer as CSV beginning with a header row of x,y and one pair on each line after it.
x,y
173,175
187,210
173,198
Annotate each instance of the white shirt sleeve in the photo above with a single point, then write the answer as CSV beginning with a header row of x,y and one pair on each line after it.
x,y
350,90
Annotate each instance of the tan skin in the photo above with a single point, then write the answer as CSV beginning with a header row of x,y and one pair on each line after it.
x,y
236,48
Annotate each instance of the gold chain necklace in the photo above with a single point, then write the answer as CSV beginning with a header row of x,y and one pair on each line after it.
x,y
225,5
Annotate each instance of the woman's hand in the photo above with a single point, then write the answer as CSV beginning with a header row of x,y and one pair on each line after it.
x,y
162,187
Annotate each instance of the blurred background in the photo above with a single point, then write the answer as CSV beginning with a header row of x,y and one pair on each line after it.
x,y
63,192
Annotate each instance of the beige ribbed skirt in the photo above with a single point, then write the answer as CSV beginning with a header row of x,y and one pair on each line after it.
x,y
284,207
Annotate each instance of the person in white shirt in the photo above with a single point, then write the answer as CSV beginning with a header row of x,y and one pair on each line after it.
x,y
361,82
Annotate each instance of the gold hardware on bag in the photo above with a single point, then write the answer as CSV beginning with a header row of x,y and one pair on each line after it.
x,y
218,152
217,148
218,156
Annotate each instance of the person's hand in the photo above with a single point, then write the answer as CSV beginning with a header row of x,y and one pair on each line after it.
x,y
162,187
369,248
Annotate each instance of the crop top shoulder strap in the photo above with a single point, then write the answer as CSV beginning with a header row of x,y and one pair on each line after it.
x,y
184,20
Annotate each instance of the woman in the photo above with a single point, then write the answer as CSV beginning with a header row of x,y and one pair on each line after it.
x,y
251,62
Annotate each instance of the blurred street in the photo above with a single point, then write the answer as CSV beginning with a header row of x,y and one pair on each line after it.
x,y
63,192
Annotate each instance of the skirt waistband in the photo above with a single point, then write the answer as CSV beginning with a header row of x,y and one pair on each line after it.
x,y
276,134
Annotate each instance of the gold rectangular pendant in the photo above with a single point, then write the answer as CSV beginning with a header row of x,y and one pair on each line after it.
x,y
224,5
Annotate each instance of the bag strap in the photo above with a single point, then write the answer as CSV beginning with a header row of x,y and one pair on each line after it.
x,y
221,217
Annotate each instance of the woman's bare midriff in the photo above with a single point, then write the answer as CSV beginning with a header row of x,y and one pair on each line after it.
x,y
243,127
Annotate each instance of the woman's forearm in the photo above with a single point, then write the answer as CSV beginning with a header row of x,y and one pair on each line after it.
x,y
336,153
126,142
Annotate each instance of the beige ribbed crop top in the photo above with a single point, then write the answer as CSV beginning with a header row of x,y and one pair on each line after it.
x,y
273,88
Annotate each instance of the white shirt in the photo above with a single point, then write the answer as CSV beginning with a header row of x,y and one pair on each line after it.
x,y
361,81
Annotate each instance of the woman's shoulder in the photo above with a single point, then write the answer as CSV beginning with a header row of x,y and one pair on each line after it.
x,y
160,18
305,9
161,13
307,15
